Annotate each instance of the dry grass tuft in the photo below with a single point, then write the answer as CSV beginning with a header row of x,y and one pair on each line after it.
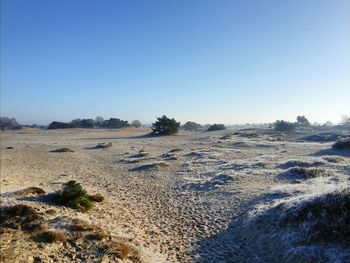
x,y
51,236
30,191
81,225
122,250
62,150
98,234
21,217
96,198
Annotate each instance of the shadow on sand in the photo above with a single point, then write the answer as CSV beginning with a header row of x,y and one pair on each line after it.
x,y
230,245
345,153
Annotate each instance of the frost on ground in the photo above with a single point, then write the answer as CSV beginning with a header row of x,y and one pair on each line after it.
x,y
311,220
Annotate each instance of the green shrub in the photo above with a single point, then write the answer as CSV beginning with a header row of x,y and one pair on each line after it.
x,y
284,126
75,196
165,126
216,127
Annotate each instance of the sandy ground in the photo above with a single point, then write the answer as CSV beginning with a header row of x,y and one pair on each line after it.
x,y
184,201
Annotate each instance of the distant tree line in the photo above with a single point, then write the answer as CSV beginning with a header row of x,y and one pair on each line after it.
x,y
99,122
9,124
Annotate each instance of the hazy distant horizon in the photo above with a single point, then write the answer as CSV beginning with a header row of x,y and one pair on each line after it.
x,y
181,121
231,62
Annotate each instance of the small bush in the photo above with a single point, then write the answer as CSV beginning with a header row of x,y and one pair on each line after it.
x,y
342,145
75,196
165,126
216,127
284,126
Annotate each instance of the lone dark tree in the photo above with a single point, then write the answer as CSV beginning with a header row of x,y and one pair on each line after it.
x,y
165,126
136,123
302,121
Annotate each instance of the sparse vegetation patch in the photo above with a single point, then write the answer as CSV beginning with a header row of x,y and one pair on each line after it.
x,y
21,217
342,145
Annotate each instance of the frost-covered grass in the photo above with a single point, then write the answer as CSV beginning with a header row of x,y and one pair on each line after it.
x,y
311,219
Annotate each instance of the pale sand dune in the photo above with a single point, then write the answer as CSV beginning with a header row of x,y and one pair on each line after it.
x,y
184,201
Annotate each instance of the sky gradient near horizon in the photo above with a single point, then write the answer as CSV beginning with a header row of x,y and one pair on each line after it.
x,y
205,61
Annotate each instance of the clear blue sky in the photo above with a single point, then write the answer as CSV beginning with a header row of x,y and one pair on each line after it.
x,y
206,61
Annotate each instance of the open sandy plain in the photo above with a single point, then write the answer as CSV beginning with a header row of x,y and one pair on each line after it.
x,y
182,198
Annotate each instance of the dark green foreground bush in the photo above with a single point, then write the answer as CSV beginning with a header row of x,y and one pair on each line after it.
x,y
75,196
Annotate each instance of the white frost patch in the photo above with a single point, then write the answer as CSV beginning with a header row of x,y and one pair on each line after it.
x,y
292,194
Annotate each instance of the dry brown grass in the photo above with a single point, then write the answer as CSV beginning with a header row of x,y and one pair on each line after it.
x,y
98,234
120,249
62,150
30,191
81,225
96,198
51,236
21,217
